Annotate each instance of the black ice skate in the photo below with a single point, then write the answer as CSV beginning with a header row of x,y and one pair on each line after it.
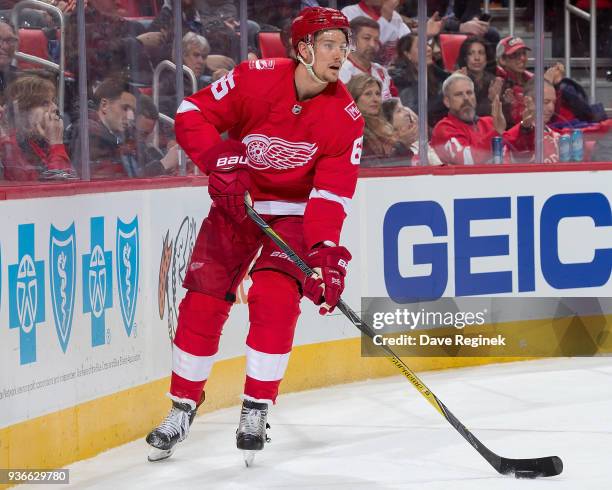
x,y
173,429
251,434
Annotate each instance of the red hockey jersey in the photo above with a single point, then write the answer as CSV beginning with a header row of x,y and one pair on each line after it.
x,y
303,155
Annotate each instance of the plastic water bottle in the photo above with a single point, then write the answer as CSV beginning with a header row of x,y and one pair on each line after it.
x,y
577,146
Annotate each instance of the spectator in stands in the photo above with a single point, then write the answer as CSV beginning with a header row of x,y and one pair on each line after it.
x,y
520,139
222,27
367,43
511,67
472,61
405,77
195,53
165,19
158,41
109,121
151,160
406,128
112,48
392,26
572,101
271,14
8,45
69,6
458,16
31,136
463,138
379,138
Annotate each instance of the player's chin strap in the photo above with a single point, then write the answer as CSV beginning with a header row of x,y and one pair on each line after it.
x,y
309,66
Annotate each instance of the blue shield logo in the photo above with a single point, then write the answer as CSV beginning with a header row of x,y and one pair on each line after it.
x,y
97,281
62,265
128,263
26,294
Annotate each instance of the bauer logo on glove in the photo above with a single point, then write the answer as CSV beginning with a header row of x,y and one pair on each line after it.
x,y
227,168
226,164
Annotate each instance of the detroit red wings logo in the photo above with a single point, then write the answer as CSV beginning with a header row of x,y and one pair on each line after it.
x,y
265,152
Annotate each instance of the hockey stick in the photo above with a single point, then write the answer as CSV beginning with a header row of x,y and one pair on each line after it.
x,y
520,468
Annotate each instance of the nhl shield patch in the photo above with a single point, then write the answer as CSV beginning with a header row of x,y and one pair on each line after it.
x,y
62,265
128,263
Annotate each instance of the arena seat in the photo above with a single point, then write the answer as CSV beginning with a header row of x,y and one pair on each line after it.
x,y
35,43
271,46
450,45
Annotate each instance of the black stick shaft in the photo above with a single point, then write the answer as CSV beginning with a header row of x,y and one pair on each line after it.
x,y
548,466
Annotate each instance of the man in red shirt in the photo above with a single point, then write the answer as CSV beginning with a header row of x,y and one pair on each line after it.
x,y
463,138
302,177
520,139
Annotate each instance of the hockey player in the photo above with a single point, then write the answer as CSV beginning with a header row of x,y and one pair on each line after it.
x,y
295,144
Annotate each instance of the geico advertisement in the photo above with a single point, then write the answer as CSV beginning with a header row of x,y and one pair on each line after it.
x,y
537,234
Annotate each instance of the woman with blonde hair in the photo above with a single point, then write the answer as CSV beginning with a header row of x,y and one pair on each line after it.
x,y
32,132
379,138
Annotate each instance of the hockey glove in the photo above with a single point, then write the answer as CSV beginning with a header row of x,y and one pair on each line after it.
x,y
330,264
226,165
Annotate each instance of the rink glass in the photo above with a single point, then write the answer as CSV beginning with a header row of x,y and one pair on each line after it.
x,y
122,43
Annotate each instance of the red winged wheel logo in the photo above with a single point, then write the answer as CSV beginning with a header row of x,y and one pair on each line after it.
x,y
277,153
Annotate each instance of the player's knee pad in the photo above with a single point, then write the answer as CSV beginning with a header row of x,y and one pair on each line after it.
x,y
200,322
274,307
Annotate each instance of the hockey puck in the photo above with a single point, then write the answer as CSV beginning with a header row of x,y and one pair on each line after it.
x,y
526,474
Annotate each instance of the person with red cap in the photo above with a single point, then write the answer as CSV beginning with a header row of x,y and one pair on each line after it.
x,y
512,69
301,177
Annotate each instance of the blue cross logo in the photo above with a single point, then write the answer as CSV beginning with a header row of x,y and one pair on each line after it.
x,y
97,281
26,294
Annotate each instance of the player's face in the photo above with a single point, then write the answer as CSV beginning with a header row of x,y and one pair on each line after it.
x,y
461,101
550,99
370,101
330,48
367,43
476,58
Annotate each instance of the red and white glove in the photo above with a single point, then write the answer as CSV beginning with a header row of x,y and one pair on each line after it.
x,y
226,165
330,264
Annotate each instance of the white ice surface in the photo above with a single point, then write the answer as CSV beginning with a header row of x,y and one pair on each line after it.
x,y
383,434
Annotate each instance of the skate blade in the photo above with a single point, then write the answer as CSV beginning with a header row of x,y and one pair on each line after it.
x,y
249,457
159,454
